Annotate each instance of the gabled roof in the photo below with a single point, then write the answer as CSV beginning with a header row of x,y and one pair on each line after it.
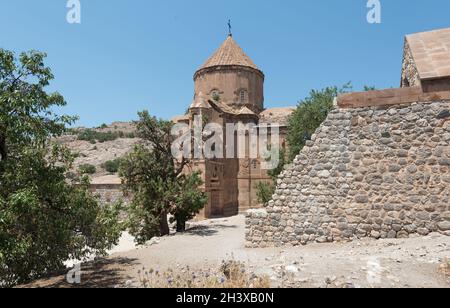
x,y
200,102
246,111
230,53
180,118
431,53
224,107
276,115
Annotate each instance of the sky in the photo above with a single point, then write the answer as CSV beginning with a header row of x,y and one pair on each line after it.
x,y
132,55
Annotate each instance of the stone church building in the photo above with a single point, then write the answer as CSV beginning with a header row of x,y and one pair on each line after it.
x,y
229,88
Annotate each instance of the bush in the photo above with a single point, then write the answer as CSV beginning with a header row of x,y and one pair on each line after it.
x,y
87,169
264,192
94,136
112,166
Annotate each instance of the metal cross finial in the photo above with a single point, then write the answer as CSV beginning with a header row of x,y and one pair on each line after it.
x,y
229,28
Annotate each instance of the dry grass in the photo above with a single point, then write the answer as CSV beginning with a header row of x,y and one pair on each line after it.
x,y
231,274
445,267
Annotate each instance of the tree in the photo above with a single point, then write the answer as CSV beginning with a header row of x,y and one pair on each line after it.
x,y
156,181
45,218
265,190
189,200
369,88
309,115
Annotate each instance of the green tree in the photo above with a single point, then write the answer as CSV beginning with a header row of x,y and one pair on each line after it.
x,y
265,190
309,115
189,200
45,218
369,88
155,179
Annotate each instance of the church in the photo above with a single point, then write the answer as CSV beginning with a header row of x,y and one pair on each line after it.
x,y
229,88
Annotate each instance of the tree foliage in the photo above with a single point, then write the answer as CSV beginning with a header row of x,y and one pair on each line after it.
x,y
265,190
45,219
157,182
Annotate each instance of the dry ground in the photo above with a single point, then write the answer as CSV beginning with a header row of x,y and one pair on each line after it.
x,y
410,262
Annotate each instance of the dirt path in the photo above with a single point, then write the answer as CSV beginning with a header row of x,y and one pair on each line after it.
x,y
410,262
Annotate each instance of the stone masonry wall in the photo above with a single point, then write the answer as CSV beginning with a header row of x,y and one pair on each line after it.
x,y
381,172
410,75
110,193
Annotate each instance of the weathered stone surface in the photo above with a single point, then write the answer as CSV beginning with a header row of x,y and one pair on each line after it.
x,y
444,226
384,173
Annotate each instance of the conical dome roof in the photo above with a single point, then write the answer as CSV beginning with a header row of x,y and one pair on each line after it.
x,y
230,53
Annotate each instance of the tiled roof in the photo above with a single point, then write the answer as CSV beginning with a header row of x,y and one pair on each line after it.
x,y
230,53
180,118
431,53
246,111
276,115
200,102
106,180
224,107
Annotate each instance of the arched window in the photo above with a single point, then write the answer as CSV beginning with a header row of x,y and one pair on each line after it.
x,y
215,95
243,96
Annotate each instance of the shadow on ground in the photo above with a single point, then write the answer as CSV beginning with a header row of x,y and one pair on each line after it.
x,y
208,230
104,273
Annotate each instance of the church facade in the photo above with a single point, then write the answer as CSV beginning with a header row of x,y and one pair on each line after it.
x,y
229,88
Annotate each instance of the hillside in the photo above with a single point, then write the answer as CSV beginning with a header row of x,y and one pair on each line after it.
x,y
96,146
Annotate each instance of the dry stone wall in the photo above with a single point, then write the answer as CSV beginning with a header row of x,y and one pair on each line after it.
x,y
381,172
110,193
410,75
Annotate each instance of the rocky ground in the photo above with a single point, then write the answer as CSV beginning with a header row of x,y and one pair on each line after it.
x,y
398,263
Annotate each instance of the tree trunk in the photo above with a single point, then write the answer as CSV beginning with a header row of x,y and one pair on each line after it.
x,y
181,226
3,153
164,225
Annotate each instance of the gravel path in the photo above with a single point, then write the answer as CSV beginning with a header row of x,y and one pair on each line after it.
x,y
410,262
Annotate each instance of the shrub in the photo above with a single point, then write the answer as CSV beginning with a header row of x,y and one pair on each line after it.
x,y
264,192
87,169
93,136
112,166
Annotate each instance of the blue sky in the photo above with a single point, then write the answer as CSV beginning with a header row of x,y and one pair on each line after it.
x,y
130,55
